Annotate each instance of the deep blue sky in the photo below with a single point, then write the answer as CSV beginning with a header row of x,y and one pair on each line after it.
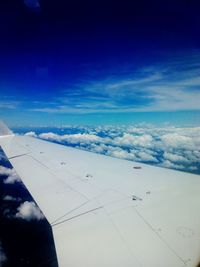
x,y
96,62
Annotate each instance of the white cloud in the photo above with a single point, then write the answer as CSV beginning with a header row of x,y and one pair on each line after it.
x,y
31,133
171,165
11,198
174,157
192,155
5,171
172,147
71,138
119,153
3,257
29,211
12,177
144,156
175,140
50,136
134,140
98,148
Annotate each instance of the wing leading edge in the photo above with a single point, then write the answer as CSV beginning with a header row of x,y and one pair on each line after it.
x,y
105,212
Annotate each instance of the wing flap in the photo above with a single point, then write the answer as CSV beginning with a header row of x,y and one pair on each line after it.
x,y
96,239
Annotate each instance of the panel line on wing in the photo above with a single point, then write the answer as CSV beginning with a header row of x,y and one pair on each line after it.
x,y
69,212
172,250
121,236
68,219
19,155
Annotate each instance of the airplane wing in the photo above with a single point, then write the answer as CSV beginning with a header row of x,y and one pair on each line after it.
x,y
108,212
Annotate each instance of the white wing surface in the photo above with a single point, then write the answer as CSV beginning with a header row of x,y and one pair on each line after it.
x,y
107,212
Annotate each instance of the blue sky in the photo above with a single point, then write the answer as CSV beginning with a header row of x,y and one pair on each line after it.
x,y
100,64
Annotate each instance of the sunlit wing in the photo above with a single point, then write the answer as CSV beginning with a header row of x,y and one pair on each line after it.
x,y
106,211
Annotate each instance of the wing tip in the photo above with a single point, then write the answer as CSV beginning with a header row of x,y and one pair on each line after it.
x,y
4,130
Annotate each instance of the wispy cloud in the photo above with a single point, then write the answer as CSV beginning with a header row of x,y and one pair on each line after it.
x,y
169,87
9,104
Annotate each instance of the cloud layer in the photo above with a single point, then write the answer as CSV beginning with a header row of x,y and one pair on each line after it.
x,y
170,147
